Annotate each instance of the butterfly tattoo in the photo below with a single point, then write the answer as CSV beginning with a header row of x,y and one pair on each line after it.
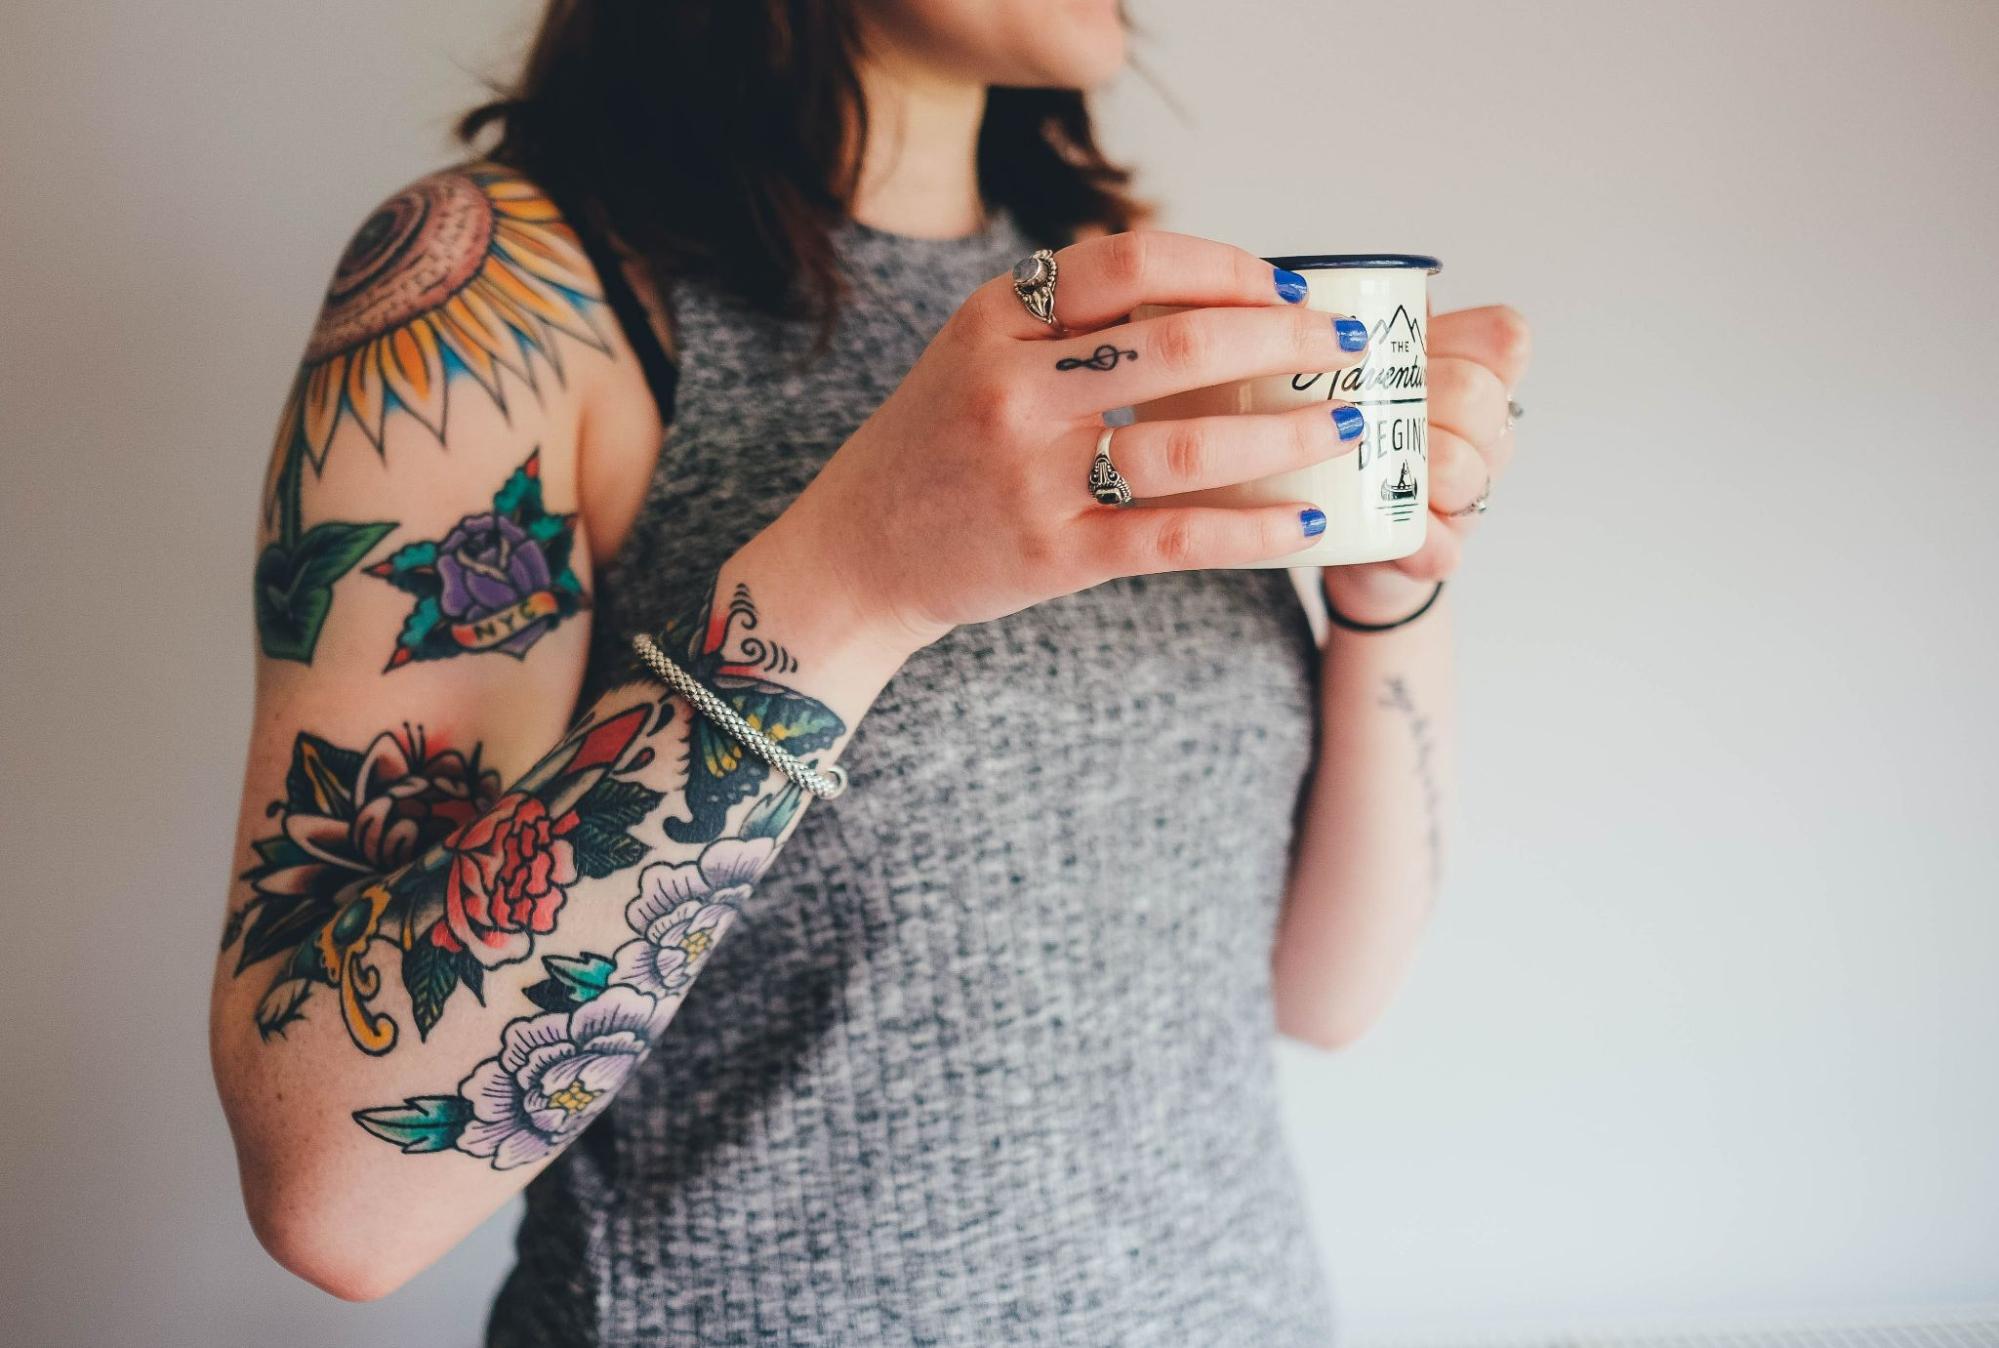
x,y
720,771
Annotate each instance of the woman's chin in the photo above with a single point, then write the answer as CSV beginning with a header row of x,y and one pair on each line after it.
x,y
1092,56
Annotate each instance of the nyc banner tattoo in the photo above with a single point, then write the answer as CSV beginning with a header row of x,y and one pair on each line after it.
x,y
499,581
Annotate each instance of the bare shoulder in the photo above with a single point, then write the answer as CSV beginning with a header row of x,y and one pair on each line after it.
x,y
469,274
462,345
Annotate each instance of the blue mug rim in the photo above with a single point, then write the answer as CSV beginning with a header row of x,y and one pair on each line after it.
x,y
1331,261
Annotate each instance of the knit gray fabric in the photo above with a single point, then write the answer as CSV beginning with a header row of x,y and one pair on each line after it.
x,y
988,1057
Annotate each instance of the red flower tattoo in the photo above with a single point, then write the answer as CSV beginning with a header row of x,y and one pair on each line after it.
x,y
509,873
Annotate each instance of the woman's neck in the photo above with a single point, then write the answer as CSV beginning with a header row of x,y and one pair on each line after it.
x,y
919,171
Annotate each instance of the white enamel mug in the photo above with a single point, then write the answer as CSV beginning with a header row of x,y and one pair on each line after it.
x,y
1376,496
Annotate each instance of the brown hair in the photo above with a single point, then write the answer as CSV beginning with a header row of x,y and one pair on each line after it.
x,y
724,137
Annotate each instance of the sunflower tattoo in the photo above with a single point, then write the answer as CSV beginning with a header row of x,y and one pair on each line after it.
x,y
467,273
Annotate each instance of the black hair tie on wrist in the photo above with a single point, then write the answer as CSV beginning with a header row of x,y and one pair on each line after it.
x,y
1340,620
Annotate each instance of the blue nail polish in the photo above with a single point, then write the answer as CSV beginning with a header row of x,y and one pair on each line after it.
x,y
1314,520
1291,287
1349,422
1351,332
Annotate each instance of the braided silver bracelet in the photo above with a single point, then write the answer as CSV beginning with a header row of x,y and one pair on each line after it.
x,y
824,785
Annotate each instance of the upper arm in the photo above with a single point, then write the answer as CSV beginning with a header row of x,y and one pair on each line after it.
x,y
423,577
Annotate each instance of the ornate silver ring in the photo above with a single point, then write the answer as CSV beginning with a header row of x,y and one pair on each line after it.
x,y
1514,411
1034,282
1107,484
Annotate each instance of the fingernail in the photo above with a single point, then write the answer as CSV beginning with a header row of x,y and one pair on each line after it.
x,y
1351,332
1314,520
1349,422
1291,287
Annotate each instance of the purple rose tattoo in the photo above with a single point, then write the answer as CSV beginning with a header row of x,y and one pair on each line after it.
x,y
499,581
488,565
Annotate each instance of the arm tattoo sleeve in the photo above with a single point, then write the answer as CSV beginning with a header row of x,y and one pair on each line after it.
x,y
459,278
404,852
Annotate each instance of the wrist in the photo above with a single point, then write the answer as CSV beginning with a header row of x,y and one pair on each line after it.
x,y
1374,594
845,652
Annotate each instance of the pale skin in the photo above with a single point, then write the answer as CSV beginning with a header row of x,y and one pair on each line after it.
x,y
1001,524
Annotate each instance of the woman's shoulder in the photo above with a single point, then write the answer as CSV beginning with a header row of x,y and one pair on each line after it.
x,y
471,271
477,231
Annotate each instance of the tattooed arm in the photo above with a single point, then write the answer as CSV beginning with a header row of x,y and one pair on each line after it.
x,y
429,985
440,962
1370,847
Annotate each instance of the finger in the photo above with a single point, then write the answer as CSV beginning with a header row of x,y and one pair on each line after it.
x,y
1194,349
1099,281
1467,398
1458,471
1442,549
1161,458
1495,336
1141,540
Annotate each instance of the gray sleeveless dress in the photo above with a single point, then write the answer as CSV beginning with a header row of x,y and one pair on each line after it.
x,y
988,1058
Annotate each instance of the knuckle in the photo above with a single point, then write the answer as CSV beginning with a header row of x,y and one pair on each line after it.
x,y
1446,379
1182,342
1124,259
1512,336
1175,543
994,403
1184,453
1039,549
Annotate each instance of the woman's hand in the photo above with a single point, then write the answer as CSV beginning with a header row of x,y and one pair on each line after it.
x,y
1477,357
964,497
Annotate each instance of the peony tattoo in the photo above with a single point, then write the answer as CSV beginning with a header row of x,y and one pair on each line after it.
x,y
599,1014
409,852
499,581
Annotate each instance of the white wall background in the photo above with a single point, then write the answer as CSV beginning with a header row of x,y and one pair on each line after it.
x,y
1708,1022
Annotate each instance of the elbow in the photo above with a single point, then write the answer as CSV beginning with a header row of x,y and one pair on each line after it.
x,y
1325,1013
318,1216
307,1245
347,1239
1326,1032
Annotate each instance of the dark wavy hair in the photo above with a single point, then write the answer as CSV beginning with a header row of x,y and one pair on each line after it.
x,y
724,138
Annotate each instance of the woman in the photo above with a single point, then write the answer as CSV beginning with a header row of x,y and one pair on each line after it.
x,y
719,345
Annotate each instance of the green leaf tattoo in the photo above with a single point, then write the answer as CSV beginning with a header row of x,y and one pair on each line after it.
x,y
430,974
295,584
420,1124
570,982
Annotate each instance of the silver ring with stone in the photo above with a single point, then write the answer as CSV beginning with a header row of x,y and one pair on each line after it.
x,y
1476,507
1034,282
1107,484
1514,411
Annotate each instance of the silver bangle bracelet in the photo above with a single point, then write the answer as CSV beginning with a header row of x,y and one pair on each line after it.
x,y
824,785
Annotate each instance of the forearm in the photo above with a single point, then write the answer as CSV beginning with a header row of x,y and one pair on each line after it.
x,y
480,1006
1371,843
